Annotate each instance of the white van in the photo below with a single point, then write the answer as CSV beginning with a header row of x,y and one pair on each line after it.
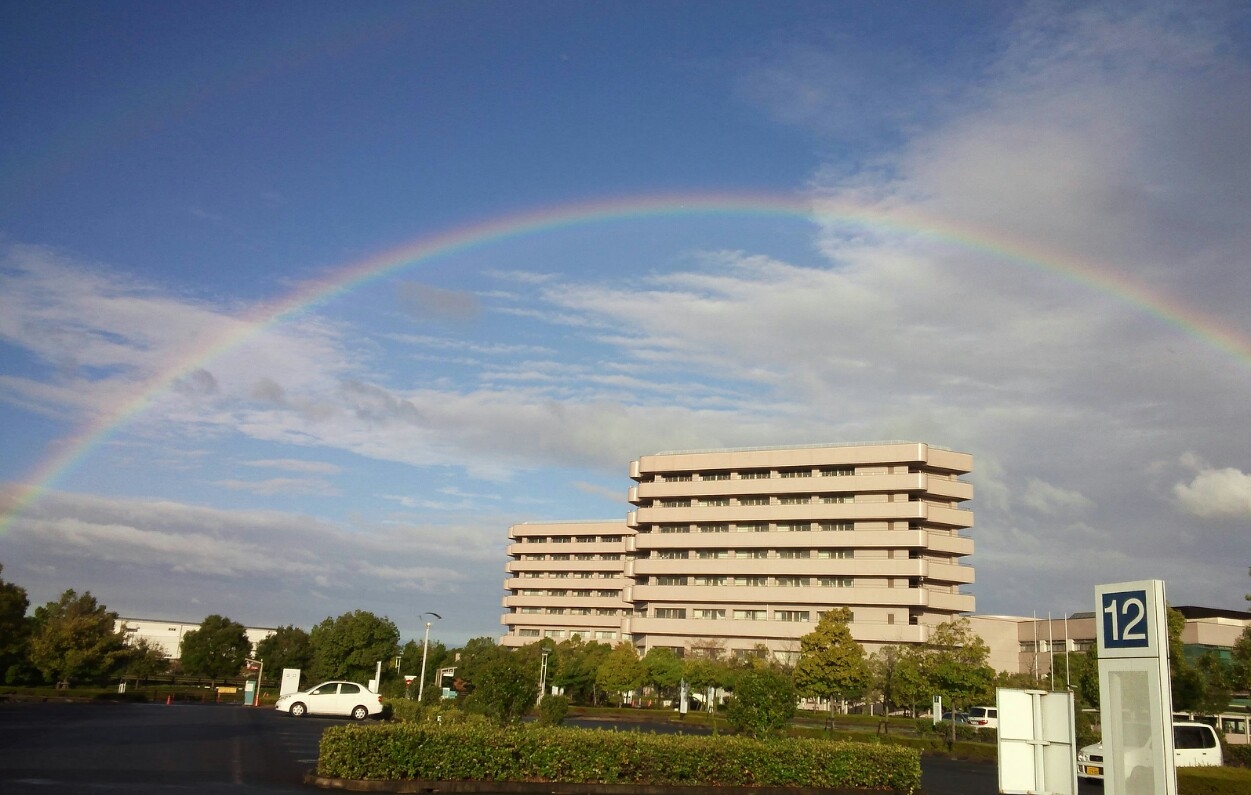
x,y
984,717
1194,745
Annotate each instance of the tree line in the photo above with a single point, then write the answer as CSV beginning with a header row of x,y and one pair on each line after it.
x,y
75,640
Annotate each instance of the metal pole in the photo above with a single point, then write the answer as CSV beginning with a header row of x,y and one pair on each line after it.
x,y
425,647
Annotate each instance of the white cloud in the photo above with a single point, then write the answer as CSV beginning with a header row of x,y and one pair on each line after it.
x,y
296,465
1046,498
285,486
1216,494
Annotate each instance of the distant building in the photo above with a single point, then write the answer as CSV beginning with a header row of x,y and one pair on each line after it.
x,y
731,551
167,635
1027,645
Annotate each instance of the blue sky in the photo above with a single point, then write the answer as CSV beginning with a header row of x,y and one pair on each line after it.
x,y
171,170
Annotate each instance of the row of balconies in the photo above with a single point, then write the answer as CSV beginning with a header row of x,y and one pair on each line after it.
x,y
905,483
813,539
942,601
815,567
813,512
684,631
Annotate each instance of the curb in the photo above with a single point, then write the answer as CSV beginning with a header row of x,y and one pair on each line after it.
x,y
558,788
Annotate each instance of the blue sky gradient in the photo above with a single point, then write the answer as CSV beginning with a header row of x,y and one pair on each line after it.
x,y
170,170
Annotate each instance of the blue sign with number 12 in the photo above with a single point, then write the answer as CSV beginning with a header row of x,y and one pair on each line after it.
x,y
1125,622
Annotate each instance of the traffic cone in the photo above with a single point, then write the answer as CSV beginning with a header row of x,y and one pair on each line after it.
x,y
169,699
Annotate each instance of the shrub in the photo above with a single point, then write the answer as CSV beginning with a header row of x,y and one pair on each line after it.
x,y
763,703
1238,755
552,710
554,754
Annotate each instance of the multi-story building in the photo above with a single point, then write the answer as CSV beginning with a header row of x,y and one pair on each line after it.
x,y
731,551
167,635
567,579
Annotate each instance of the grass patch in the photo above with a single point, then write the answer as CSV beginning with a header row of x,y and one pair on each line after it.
x,y
1213,781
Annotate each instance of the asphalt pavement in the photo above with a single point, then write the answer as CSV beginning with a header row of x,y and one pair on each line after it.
x,y
157,749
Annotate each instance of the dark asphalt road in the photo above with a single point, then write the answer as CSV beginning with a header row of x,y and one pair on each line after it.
x,y
49,749
153,749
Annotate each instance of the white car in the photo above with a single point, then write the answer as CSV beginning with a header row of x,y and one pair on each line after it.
x,y
1194,745
984,717
345,699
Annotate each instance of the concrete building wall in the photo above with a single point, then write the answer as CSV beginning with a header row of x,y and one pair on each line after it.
x,y
167,635
730,550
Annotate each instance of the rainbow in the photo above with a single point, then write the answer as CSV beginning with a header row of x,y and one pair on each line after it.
x,y
351,276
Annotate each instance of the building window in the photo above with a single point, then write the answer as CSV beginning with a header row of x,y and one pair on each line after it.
x,y
794,527
557,592
715,502
671,612
794,554
710,615
605,611
715,476
792,582
615,556
713,554
790,615
583,556
804,500
682,503
837,471
559,557
752,582
528,633
555,611
675,478
670,579
834,582
752,527
795,473
753,500
754,474
720,527
608,594
586,539
603,634
710,580
753,553
561,539
553,633
531,610
750,615
672,554
834,499
835,554
675,528
836,526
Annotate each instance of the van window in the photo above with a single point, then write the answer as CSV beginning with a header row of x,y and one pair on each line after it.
x,y
1193,737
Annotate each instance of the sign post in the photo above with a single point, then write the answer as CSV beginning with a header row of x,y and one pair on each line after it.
x,y
1036,742
1135,697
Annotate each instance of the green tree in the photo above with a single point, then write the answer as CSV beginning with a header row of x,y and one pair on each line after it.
x,y
473,658
217,649
706,673
764,702
662,669
288,647
76,640
831,663
897,676
1240,676
576,665
621,671
15,629
144,660
955,666
351,646
506,687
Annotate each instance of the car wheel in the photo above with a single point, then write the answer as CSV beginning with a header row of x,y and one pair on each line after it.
x,y
298,710
360,713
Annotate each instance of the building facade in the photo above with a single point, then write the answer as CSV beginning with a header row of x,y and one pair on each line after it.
x,y
729,552
167,635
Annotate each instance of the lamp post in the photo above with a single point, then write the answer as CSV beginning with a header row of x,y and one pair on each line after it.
x,y
425,647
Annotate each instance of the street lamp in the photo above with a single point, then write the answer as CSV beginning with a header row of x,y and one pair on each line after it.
x,y
425,647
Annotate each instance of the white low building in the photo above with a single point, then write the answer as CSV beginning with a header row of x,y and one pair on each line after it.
x,y
167,635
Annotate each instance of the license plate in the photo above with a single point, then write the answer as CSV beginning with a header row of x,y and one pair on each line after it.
x,y
1094,771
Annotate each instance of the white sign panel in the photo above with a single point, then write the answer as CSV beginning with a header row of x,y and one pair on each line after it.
x,y
290,681
1135,699
1037,739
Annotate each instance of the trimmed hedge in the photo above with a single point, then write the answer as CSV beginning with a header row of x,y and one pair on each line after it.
x,y
578,756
